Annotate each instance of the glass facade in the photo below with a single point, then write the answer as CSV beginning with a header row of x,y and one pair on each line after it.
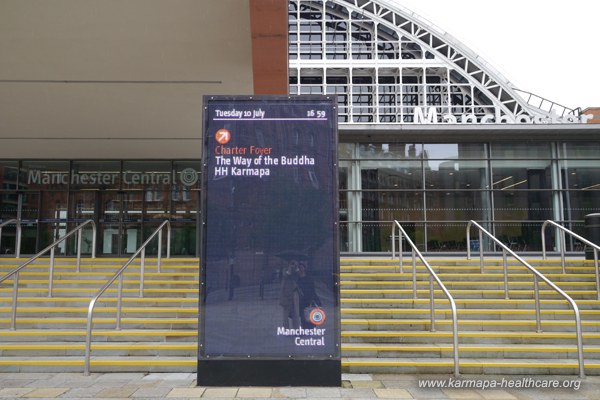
x,y
433,189
126,199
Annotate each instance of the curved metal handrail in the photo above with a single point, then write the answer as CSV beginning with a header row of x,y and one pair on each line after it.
x,y
119,274
18,238
564,230
15,272
432,276
536,275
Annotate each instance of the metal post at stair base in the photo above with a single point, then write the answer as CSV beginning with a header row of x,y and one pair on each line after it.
x,y
414,273
119,302
79,250
13,316
538,318
159,249
393,241
400,251
18,244
596,272
505,266
142,268
51,273
168,241
562,251
432,303
481,251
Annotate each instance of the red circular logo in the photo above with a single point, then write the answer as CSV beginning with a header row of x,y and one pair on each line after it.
x,y
317,316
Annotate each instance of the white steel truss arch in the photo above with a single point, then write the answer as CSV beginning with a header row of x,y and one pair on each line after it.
x,y
331,36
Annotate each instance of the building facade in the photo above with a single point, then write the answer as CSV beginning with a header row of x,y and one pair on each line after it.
x,y
430,134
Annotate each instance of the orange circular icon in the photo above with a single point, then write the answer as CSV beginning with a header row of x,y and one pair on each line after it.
x,y
223,136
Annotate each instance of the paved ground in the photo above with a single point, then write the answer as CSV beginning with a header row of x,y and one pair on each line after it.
x,y
355,386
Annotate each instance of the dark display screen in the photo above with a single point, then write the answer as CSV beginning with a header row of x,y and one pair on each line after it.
x,y
270,256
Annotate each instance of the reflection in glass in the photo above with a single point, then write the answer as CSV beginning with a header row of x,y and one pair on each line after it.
x,y
456,174
454,150
521,150
391,175
521,174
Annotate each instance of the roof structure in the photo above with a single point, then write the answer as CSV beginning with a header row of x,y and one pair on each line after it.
x,y
385,63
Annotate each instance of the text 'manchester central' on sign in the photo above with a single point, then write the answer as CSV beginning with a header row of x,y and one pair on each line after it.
x,y
269,312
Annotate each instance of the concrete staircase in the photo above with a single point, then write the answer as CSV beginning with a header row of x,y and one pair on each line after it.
x,y
383,328
158,332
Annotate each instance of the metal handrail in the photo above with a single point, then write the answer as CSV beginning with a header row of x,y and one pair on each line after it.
x,y
432,276
536,275
18,238
15,272
564,230
119,274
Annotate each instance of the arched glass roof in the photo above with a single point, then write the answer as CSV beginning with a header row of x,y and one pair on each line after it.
x,y
383,62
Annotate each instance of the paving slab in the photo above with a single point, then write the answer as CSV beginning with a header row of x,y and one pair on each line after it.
x,y
192,392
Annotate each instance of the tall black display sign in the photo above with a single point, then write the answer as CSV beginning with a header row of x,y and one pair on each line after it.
x,y
269,309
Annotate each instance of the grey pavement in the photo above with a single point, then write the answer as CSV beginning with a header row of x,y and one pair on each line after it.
x,y
26,385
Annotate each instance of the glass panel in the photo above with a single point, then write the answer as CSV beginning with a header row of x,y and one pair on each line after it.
x,y
187,175
44,175
29,216
391,150
581,174
512,205
147,175
377,236
9,202
391,175
455,150
579,150
579,203
110,223
392,205
457,205
184,239
456,174
521,150
83,207
521,174
95,175
446,236
520,235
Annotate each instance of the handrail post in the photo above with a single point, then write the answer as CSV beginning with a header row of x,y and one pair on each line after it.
x,y
400,251
481,251
596,273
393,241
159,249
79,234
119,301
18,239
168,239
414,274
544,239
505,267
469,240
51,272
538,317
562,251
94,229
13,315
432,303
142,268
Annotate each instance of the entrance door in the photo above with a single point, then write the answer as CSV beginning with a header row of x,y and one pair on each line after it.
x,y
118,216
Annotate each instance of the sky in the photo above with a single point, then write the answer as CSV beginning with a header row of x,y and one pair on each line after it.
x,y
547,47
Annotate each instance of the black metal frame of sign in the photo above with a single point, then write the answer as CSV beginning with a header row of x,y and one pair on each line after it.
x,y
269,312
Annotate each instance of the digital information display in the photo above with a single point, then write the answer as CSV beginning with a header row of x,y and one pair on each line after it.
x,y
269,309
